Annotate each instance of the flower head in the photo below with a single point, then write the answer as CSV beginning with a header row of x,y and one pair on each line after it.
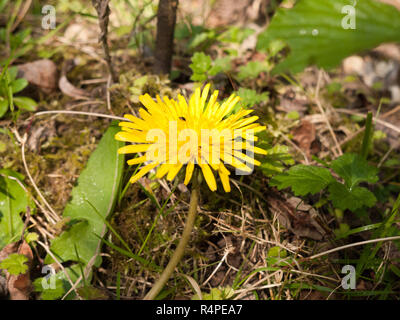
x,y
171,134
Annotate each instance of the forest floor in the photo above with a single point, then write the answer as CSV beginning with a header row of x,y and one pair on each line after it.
x,y
257,242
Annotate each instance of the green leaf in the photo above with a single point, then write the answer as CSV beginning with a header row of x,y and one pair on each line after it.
x,y
12,74
352,199
50,293
303,179
220,65
314,32
95,194
354,169
25,103
250,97
13,201
236,34
277,157
18,85
3,107
200,65
204,39
220,293
277,252
15,264
252,70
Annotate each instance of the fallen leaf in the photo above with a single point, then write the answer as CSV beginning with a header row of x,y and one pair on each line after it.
x,y
305,138
67,87
296,216
41,73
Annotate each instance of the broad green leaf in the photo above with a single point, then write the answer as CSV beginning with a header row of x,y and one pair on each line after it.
x,y
94,195
13,201
12,74
354,169
18,85
3,106
352,199
49,292
15,264
303,179
323,32
25,103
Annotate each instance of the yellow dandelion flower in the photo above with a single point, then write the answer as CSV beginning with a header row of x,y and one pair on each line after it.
x,y
172,134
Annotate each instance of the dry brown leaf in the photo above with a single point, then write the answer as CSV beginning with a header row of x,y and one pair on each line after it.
x,y
41,73
305,138
296,216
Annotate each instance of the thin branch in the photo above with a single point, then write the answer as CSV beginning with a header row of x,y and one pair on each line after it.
x,y
103,12
321,109
352,245
82,113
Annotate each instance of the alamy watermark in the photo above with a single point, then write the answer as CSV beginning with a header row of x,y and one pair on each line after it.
x,y
49,18
49,281
349,20
349,280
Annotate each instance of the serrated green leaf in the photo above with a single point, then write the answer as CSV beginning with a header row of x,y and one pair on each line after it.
x,y
199,77
236,34
314,31
250,97
277,157
13,201
220,65
354,169
15,264
25,103
352,199
200,65
252,70
303,179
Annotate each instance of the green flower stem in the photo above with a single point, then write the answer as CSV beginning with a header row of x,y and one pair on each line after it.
x,y
178,254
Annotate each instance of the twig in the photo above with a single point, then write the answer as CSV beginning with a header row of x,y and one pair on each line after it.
x,y
321,109
27,218
22,140
21,14
382,122
227,251
352,245
83,113
45,247
103,12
